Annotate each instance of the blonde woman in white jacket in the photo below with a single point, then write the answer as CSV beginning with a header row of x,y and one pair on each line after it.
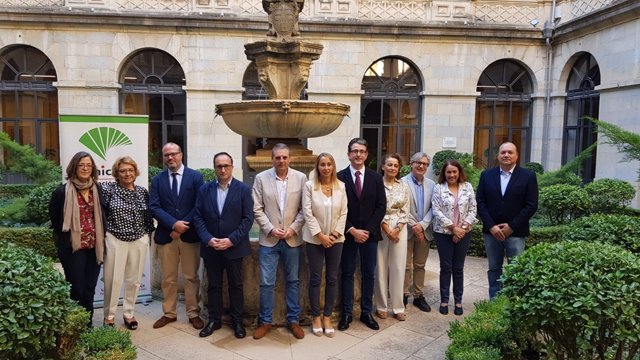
x,y
454,212
324,207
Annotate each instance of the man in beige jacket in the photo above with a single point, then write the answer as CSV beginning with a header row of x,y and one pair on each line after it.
x,y
277,196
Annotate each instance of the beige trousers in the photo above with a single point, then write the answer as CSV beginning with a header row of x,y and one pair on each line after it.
x,y
173,255
390,270
417,254
124,261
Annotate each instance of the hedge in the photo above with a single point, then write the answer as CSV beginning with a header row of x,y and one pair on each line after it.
x,y
37,238
620,230
15,190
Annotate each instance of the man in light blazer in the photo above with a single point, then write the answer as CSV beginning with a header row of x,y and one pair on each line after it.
x,y
420,234
507,198
223,218
172,199
277,207
367,203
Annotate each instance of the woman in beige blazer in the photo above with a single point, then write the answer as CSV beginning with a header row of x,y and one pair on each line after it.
x,y
324,206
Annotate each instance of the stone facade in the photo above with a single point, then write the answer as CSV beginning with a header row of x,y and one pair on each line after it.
x,y
450,43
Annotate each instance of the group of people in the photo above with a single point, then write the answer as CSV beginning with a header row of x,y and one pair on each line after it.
x,y
386,221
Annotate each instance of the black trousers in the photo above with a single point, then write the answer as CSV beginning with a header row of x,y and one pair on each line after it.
x,y
216,264
81,271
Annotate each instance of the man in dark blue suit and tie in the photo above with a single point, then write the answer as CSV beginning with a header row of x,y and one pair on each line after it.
x,y
223,218
367,203
507,198
172,199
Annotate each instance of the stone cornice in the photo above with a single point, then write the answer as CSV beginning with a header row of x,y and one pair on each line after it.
x,y
615,14
207,23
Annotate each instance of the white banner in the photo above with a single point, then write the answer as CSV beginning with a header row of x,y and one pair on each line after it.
x,y
106,138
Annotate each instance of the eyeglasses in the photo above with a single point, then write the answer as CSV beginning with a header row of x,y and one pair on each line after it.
x,y
223,167
174,154
85,166
358,152
421,163
127,171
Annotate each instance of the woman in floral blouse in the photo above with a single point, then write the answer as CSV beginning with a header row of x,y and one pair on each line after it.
x,y
454,212
392,250
78,228
129,228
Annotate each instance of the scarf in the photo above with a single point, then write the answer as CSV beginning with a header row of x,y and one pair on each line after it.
x,y
71,221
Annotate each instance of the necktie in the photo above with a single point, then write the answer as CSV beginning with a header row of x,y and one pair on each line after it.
x,y
174,184
358,184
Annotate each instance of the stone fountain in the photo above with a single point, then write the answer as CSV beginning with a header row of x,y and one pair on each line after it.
x,y
283,61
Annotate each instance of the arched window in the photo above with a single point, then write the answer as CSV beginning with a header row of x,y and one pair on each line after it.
x,y
390,106
503,112
582,101
152,84
28,100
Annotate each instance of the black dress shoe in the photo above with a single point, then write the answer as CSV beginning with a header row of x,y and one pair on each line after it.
x,y
458,310
210,328
238,330
421,304
368,320
345,320
444,309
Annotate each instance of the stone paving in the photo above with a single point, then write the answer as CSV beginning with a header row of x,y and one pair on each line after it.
x,y
421,336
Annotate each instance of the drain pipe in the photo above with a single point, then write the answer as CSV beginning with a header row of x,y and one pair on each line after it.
x,y
547,34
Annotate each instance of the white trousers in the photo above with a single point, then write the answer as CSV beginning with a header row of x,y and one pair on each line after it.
x,y
389,283
124,260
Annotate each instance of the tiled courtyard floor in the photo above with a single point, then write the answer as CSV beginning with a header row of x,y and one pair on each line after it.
x,y
421,336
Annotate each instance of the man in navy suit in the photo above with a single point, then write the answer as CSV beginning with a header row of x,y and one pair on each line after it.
x,y
367,203
172,199
507,198
223,218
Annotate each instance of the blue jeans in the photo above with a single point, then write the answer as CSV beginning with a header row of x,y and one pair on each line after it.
x,y
269,258
452,258
496,250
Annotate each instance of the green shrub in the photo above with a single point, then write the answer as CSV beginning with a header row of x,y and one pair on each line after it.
x,y
107,343
535,167
153,171
405,170
558,177
39,239
34,299
561,203
609,195
23,159
38,202
620,230
14,212
489,332
71,328
9,191
207,173
582,298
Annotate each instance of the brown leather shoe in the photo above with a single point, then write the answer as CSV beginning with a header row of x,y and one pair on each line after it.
x,y
296,330
261,331
163,321
196,322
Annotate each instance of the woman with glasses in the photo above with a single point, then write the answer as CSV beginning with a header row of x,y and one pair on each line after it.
x,y
78,224
129,228
454,212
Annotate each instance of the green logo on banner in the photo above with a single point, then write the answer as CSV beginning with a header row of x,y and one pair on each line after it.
x,y
101,139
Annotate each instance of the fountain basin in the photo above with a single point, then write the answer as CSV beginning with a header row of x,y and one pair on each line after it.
x,y
283,118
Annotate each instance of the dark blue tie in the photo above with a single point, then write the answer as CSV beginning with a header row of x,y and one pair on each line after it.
x,y
174,184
